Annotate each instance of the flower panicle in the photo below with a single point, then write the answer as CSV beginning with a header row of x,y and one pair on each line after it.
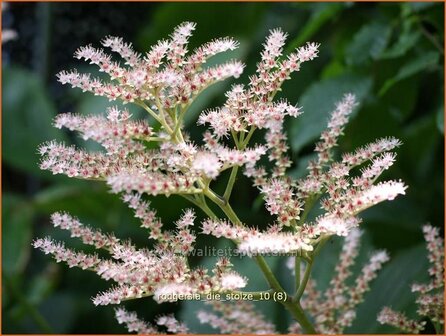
x,y
335,309
69,256
400,321
133,323
163,273
164,76
142,158
236,318
430,296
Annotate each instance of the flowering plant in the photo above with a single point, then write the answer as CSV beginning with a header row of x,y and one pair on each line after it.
x,y
158,158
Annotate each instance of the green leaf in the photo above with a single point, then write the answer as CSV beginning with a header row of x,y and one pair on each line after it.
x,y
368,43
319,100
406,41
420,141
27,119
16,233
419,64
323,13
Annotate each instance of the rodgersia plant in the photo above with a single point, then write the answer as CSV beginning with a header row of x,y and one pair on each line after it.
x,y
164,82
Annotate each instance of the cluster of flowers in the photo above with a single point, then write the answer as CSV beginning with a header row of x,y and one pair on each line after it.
x,y
134,324
250,108
335,309
165,75
164,83
430,298
227,317
236,318
163,273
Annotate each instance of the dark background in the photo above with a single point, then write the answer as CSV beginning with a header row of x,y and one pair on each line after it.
x,y
389,54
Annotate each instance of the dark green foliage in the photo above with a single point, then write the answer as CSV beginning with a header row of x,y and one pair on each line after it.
x,y
389,54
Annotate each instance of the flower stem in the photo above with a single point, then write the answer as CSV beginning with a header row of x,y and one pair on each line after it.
x,y
297,272
248,137
303,284
293,307
230,184
299,315
269,276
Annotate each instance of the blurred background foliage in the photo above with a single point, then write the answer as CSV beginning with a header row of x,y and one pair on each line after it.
x,y
389,54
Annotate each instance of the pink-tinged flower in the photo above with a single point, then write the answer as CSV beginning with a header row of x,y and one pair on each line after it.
x,y
332,225
172,324
236,318
207,164
232,281
400,321
430,296
166,71
308,52
383,191
329,138
274,243
172,292
435,244
280,200
187,219
133,323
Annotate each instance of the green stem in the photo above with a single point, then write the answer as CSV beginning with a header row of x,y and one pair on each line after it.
x,y
242,137
319,246
248,137
296,310
234,137
202,205
269,276
230,184
150,111
217,199
303,284
297,272
178,123
160,108
293,307
155,139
